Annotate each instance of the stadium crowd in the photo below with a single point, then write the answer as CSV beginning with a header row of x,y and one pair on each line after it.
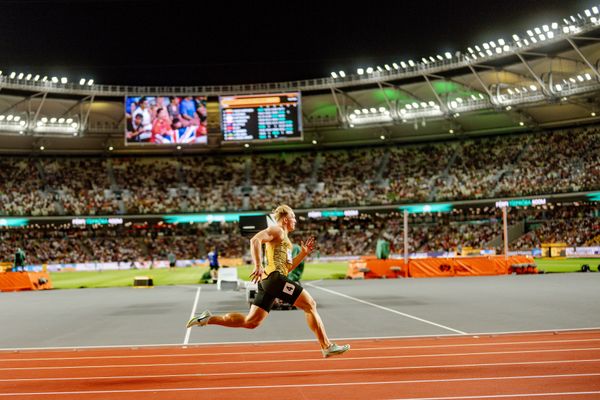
x,y
528,164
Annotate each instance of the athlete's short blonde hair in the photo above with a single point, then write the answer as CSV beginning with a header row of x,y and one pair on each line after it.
x,y
282,211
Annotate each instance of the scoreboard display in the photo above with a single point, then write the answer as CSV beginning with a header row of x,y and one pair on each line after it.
x,y
269,117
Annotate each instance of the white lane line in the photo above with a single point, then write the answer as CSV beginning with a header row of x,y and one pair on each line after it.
x,y
583,330
501,396
387,309
311,371
189,330
354,349
301,385
299,360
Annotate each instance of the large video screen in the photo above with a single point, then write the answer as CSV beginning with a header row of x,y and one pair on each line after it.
x,y
261,117
164,120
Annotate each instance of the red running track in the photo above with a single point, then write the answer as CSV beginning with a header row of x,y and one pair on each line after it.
x,y
526,366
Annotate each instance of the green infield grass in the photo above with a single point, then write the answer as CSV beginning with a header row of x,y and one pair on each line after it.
x,y
193,275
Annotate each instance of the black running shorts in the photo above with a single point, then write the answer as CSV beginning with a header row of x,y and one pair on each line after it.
x,y
276,286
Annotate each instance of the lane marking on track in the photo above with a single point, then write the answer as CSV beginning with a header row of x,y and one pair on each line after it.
x,y
386,309
354,349
501,396
583,330
311,371
188,331
301,385
298,360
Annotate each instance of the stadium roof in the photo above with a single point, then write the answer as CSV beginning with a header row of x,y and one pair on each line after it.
x,y
519,84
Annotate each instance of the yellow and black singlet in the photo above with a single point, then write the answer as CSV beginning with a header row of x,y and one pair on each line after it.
x,y
279,256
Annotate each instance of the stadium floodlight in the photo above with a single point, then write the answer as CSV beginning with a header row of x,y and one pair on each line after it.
x,y
352,116
334,75
432,59
459,99
448,55
110,148
424,61
342,74
379,69
387,67
517,90
382,109
54,79
515,37
440,57
395,65
432,103
22,123
526,42
53,120
415,105
9,117
370,70
473,97
44,120
365,111
587,13
74,125
506,47
178,147
403,64
36,78
470,50
498,50
493,44
450,130
17,118
593,114
40,123
314,141
489,52
20,76
373,110
42,148
533,40
382,137
572,80
357,112
408,107
246,145
45,78
565,29
90,82
501,42
530,32
360,71
82,81
411,63
453,104
550,35
580,78
456,115
595,10
554,25
28,77
61,120
423,104
508,108
509,90
558,87
588,76
537,30
542,37
2,117
521,123
69,120
481,54
63,80
12,75
486,46
545,28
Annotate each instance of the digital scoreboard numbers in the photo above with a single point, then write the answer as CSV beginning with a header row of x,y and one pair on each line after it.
x,y
270,117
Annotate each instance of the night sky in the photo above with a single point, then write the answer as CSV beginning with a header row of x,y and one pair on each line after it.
x,y
188,43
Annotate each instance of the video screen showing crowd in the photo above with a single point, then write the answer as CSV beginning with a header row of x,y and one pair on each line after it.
x,y
166,120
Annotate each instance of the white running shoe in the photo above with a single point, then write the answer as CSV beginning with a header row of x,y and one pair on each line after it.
x,y
199,320
334,350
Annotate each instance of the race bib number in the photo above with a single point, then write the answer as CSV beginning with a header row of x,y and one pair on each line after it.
x,y
289,288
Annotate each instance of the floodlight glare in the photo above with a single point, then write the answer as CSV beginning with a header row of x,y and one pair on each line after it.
x,y
506,48
498,50
352,116
408,107
63,80
533,40
246,145
415,105
17,118
90,82
565,29
501,42
580,78
2,117
572,80
381,109
382,137
529,32
537,30
396,66
342,74
558,87
403,64
360,71
453,104
314,142
423,104
411,63
595,10
40,123
521,123
526,42
373,110
489,52
424,60
357,112
365,111
61,120
74,125
448,55
470,50
546,28
432,103
334,75
45,78
386,66
22,123
36,78
9,117
28,77
82,81
54,79
508,108
509,90
20,76
53,120
550,35
379,69
587,13
432,59
440,57
44,120
42,148
111,148
178,147
370,70
554,25
515,37
69,120
492,44
450,130
593,114
588,76
12,75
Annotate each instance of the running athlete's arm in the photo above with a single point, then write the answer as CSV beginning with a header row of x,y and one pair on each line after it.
x,y
272,233
307,248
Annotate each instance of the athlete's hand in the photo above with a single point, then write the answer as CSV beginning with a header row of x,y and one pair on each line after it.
x,y
309,246
256,274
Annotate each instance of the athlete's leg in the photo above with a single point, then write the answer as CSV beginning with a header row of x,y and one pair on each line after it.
x,y
236,320
306,303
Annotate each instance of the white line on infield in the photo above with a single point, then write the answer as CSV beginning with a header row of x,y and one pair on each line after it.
x,y
299,360
387,309
310,371
189,330
412,381
262,352
589,329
